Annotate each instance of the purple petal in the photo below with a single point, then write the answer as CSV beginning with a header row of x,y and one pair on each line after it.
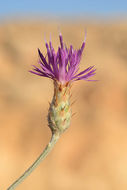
x,y
38,74
61,40
86,70
84,77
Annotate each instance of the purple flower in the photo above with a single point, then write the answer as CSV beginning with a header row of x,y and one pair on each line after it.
x,y
63,65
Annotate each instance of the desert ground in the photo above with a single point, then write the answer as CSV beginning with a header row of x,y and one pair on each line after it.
x,y
92,153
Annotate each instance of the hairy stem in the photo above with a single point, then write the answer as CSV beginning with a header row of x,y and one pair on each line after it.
x,y
47,149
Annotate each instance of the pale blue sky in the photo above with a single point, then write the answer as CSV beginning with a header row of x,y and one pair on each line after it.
x,y
63,8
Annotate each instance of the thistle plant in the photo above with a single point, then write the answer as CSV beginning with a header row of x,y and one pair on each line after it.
x,y
62,67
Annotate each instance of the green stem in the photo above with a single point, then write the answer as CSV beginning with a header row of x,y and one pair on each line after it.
x,y
47,149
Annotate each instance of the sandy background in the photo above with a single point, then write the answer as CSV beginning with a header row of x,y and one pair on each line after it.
x,y
92,154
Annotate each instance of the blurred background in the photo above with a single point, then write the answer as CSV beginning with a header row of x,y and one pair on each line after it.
x,y
92,153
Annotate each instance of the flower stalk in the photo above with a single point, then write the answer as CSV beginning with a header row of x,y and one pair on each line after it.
x,y
42,156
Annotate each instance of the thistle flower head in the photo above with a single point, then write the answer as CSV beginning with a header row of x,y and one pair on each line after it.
x,y
63,65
